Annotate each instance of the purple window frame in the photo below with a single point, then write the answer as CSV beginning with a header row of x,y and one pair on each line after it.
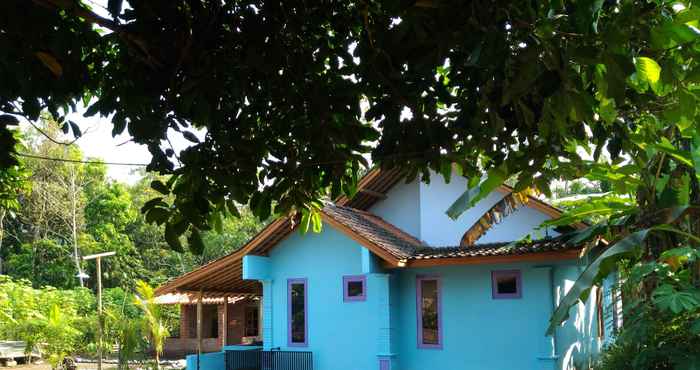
x,y
419,313
384,364
304,282
353,279
507,273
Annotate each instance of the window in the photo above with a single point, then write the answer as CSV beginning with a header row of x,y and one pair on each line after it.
x,y
251,321
506,284
428,310
297,331
384,364
354,288
600,312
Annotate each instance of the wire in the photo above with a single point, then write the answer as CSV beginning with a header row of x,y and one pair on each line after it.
x,y
409,155
80,161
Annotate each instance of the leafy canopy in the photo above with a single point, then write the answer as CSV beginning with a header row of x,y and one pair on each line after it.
x,y
511,87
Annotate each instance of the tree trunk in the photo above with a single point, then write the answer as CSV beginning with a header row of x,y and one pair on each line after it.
x,y
2,234
74,225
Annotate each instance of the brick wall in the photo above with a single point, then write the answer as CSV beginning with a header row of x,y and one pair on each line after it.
x,y
187,342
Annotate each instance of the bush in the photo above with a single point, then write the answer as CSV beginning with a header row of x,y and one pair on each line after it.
x,y
64,322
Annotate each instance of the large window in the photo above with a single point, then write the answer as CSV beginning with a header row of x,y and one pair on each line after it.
x,y
428,309
354,288
297,331
506,284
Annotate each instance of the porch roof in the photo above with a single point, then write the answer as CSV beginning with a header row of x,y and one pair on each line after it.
x,y
225,274
188,298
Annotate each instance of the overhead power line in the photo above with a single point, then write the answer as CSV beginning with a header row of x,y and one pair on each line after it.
x,y
80,161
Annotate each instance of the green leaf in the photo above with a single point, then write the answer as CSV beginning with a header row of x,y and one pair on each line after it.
x,y
50,61
316,221
667,298
687,362
114,7
160,187
8,120
648,70
190,136
305,221
681,156
172,236
157,215
495,178
217,222
153,203
196,245
76,129
594,273
586,234
695,327
92,110
695,153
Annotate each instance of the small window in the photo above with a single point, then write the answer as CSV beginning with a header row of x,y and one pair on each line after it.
x,y
354,288
428,308
297,329
506,284
384,364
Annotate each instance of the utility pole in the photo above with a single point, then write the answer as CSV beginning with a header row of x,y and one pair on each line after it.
x,y
98,258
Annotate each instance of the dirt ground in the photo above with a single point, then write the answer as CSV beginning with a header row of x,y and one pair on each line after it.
x,y
46,366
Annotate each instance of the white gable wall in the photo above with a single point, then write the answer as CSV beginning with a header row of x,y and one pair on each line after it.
x,y
419,209
401,207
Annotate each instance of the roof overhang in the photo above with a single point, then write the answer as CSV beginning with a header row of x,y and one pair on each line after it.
x,y
571,254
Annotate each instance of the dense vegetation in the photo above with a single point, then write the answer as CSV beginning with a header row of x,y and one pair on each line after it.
x,y
60,211
60,323
64,210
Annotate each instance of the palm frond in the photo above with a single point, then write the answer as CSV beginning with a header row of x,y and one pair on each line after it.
x,y
494,216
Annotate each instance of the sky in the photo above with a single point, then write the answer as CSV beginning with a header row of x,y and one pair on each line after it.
x,y
97,142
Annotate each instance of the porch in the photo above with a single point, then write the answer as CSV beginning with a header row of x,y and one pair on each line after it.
x,y
210,325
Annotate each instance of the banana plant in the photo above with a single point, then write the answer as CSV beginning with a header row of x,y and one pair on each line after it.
x,y
154,325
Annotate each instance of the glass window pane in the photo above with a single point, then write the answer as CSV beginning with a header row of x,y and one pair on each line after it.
x,y
507,285
298,312
355,289
429,312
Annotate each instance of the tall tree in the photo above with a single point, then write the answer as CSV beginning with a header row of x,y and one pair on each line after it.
x,y
504,86
13,181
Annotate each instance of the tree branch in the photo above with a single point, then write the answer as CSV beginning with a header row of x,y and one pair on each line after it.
x,y
75,9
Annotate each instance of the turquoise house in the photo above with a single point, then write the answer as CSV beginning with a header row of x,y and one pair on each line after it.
x,y
392,283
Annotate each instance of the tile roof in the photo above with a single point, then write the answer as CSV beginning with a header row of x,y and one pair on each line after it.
x,y
406,247
495,249
373,228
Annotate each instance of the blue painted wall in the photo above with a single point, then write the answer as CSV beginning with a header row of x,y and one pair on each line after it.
x,y
478,331
578,337
342,335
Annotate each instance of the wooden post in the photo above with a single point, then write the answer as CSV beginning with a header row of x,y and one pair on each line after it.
x,y
99,313
199,328
98,259
225,324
